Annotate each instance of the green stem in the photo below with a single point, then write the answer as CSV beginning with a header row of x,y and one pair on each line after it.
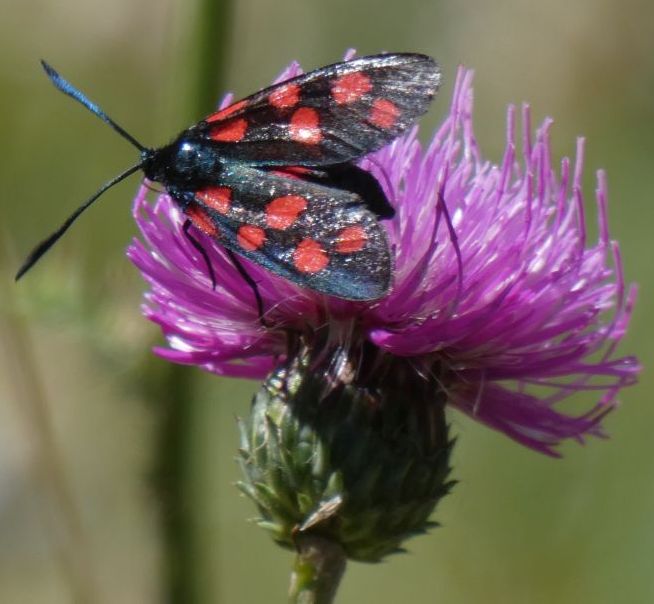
x,y
212,28
171,388
199,63
317,571
200,32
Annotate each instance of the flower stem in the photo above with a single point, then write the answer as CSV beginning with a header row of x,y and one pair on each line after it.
x,y
171,387
201,29
317,571
203,33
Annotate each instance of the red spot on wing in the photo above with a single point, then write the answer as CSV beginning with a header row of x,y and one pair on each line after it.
x,y
298,169
250,237
384,113
304,126
351,239
282,212
231,131
351,87
227,111
201,221
309,257
286,95
217,198
291,172
284,174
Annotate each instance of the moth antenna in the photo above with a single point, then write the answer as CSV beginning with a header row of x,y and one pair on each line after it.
x,y
70,90
47,243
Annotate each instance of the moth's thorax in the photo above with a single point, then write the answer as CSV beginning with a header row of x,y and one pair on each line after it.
x,y
184,163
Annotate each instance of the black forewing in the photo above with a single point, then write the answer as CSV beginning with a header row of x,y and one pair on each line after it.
x,y
257,131
350,273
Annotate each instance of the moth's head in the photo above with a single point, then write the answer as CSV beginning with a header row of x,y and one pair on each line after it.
x,y
154,163
178,164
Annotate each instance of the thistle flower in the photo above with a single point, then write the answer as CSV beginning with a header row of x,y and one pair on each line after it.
x,y
500,308
495,283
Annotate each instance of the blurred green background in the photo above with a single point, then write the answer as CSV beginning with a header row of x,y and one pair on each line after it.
x,y
98,481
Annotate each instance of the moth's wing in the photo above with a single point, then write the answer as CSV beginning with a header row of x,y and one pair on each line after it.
x,y
332,115
348,177
318,237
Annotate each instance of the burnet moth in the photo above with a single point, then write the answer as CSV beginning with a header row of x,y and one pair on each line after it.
x,y
271,176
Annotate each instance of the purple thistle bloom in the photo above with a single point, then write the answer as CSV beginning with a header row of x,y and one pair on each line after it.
x,y
495,283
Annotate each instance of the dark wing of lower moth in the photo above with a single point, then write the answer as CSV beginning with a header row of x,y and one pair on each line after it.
x,y
318,237
331,115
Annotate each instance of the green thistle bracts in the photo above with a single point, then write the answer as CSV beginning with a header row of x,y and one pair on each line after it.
x,y
356,453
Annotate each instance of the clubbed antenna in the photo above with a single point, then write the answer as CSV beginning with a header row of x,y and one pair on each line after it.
x,y
67,88
47,243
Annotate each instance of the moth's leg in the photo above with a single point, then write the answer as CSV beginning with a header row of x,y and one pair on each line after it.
x,y
252,283
198,246
237,264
